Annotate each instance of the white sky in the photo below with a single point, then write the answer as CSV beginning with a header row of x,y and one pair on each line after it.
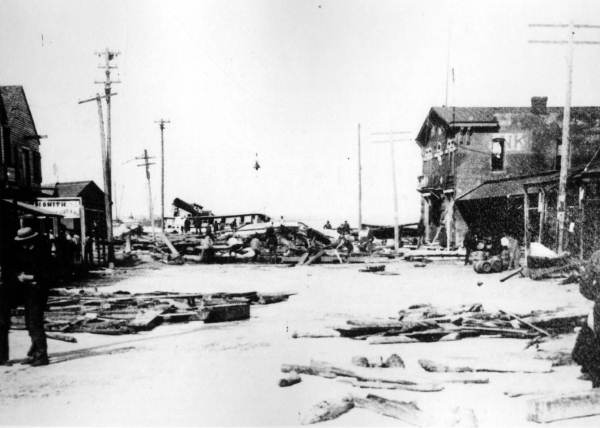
x,y
289,80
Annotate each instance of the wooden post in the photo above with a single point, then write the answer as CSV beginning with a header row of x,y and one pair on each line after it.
x,y
426,219
359,183
581,220
526,237
542,208
449,222
564,161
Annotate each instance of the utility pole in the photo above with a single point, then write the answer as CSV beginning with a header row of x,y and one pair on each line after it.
x,y
565,147
391,141
359,183
105,171
109,56
161,125
147,164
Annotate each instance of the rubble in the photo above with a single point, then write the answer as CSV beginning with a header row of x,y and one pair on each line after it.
x,y
124,313
424,323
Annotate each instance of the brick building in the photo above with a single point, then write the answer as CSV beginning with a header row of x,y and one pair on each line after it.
x,y
478,161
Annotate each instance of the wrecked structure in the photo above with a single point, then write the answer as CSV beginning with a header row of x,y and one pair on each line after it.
x,y
479,162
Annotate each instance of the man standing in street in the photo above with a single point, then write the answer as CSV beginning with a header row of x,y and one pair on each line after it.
x,y
33,270
586,351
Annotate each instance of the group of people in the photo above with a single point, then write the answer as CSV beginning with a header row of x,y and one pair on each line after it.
x,y
25,277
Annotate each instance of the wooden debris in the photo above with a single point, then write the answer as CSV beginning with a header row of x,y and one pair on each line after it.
x,y
146,320
394,360
227,312
318,368
544,332
509,366
421,387
326,410
387,340
360,361
61,337
291,379
315,335
554,407
513,274
406,411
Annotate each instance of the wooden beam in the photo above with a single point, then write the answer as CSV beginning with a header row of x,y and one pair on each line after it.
x,y
526,222
554,407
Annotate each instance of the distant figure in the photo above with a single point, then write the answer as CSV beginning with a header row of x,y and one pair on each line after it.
x,y
420,233
327,225
514,252
207,252
255,245
586,351
470,244
346,226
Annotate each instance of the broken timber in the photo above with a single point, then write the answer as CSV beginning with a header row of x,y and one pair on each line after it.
x,y
556,407
326,410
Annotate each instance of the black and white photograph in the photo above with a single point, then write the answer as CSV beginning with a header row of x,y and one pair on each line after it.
x,y
300,212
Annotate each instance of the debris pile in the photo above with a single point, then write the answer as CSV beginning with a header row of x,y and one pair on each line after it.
x,y
425,323
125,313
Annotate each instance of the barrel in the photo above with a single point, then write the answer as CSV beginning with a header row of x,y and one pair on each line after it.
x,y
496,264
482,266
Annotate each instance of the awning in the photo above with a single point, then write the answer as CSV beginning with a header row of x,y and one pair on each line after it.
x,y
31,209
509,187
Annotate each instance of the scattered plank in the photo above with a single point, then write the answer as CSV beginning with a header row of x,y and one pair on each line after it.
x,y
226,312
61,337
509,366
388,385
554,407
326,410
522,321
405,411
291,379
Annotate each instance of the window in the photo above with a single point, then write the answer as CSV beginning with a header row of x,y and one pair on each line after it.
x,y
37,168
558,158
6,149
27,167
497,154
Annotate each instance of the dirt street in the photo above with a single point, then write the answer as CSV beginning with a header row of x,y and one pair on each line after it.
x,y
227,374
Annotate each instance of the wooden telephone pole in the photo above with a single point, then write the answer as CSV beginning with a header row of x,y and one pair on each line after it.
x,y
105,170
359,183
161,125
391,141
566,144
147,164
109,56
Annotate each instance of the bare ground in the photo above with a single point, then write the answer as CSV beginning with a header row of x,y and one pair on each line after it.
x,y
227,374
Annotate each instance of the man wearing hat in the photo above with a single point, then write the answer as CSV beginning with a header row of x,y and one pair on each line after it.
x,y
33,271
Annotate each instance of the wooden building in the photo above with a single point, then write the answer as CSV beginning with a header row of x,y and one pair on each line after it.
x,y
478,160
20,164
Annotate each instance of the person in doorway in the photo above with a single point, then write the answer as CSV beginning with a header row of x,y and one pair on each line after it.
x,y
420,233
514,251
33,270
586,351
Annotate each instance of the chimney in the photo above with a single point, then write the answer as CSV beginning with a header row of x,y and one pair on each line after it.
x,y
538,105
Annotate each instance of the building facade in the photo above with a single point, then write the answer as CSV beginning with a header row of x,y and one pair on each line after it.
x,y
465,147
20,159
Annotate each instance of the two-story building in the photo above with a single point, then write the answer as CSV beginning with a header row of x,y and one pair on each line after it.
x,y
478,162
20,164
20,160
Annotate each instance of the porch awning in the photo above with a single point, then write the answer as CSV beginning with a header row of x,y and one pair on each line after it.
x,y
30,209
509,187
